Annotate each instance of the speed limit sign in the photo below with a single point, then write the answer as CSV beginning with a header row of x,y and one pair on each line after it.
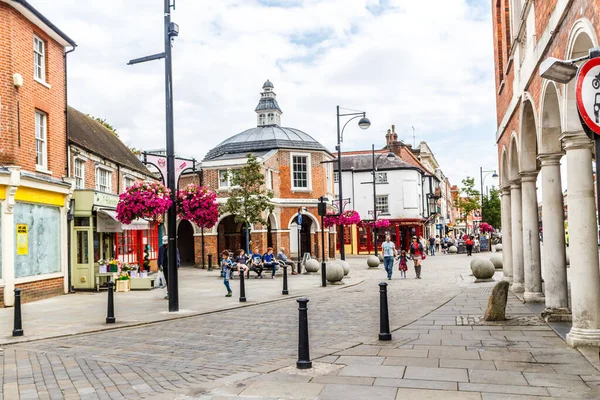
x,y
588,94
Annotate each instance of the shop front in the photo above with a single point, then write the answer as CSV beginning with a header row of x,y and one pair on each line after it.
x,y
97,235
400,232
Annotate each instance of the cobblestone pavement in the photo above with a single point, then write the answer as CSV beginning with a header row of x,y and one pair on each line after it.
x,y
188,357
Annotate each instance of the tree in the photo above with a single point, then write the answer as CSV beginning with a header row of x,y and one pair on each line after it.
x,y
249,198
469,199
492,208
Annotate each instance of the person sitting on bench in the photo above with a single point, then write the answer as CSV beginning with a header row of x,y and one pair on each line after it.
x,y
240,262
269,261
282,257
256,264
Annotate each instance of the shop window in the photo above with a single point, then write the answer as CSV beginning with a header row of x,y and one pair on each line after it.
x,y
43,240
41,140
126,247
39,59
103,180
79,173
81,221
82,247
151,239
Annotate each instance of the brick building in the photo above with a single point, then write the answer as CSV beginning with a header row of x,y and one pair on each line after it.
x,y
34,190
102,167
292,163
538,123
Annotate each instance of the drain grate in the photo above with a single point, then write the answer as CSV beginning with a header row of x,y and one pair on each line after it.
x,y
529,320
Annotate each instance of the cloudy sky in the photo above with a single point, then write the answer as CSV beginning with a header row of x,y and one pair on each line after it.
x,y
427,64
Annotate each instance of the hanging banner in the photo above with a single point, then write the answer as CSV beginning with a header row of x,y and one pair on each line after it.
x,y
160,162
22,239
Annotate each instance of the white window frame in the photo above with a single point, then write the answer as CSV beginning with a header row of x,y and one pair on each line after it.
x,y
127,178
79,178
262,119
336,177
36,54
223,185
381,177
308,187
269,179
41,140
380,206
108,185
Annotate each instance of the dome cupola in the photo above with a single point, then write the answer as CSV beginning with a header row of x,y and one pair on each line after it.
x,y
267,111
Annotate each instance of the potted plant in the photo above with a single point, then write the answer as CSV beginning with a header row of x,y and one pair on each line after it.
x,y
113,265
102,266
123,283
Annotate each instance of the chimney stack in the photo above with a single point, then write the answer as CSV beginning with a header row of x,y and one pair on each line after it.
x,y
388,137
394,134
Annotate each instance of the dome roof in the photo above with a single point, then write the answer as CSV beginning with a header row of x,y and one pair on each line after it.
x,y
268,84
265,138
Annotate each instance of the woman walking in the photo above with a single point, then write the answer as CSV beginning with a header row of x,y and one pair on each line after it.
x,y
416,253
469,244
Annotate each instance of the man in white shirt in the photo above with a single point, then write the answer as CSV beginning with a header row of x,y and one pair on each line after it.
x,y
389,251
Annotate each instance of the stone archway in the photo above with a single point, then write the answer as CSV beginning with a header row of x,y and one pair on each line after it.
x,y
306,235
185,243
231,235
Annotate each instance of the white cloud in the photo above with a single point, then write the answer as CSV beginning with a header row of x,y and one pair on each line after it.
x,y
427,64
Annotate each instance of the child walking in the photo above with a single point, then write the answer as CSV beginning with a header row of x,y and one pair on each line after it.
x,y
402,264
226,266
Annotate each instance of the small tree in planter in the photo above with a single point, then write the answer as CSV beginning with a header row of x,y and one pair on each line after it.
x,y
248,198
146,266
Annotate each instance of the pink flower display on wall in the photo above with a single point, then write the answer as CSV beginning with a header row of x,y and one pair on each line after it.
x,y
486,228
349,217
382,223
143,200
199,205
331,220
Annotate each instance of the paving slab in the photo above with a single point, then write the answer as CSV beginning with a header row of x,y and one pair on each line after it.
x,y
420,394
508,389
289,390
470,364
497,377
412,361
374,371
357,392
366,360
437,374
416,384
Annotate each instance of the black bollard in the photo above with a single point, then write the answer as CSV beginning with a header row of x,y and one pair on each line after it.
x,y
303,347
18,326
285,287
110,314
384,319
323,273
210,263
242,288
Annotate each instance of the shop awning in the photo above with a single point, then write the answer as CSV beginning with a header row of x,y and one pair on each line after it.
x,y
108,222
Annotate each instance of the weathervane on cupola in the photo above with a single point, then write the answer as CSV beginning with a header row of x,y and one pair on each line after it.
x,y
267,110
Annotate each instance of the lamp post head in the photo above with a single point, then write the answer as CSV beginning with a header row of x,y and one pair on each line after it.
x,y
391,156
494,175
364,123
558,70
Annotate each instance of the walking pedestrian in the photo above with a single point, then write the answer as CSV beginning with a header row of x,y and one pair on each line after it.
x,y
403,264
389,251
163,261
416,253
437,243
226,267
469,245
431,245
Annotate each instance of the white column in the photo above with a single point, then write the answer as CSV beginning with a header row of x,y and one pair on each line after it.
x,y
531,239
517,236
583,236
555,262
8,237
507,253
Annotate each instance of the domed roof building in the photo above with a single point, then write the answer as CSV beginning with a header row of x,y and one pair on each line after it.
x,y
297,170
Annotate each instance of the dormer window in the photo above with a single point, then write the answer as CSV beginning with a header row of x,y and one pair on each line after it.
x,y
261,119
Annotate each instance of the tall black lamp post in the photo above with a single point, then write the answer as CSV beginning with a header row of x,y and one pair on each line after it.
x,y
363,123
171,30
390,156
322,213
481,172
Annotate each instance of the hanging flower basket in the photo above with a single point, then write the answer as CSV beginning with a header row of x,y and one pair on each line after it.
x,y
199,205
350,217
143,200
331,220
382,223
486,228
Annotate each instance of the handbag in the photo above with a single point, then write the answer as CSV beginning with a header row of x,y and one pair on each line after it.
x,y
423,256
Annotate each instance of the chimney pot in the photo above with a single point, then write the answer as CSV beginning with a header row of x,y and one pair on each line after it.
x,y
394,128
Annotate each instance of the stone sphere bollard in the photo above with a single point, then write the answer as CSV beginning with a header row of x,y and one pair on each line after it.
x,y
335,273
312,265
373,261
452,250
497,260
498,248
345,266
483,269
380,257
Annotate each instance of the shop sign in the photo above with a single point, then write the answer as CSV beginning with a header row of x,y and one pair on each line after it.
x,y
587,93
22,239
106,200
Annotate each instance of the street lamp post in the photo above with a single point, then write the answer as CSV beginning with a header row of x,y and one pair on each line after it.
x,y
322,213
171,30
390,156
481,172
363,123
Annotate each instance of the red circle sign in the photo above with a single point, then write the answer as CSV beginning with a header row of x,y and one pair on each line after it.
x,y
588,94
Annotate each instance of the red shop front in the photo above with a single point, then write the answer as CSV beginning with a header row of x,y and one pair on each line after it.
x,y
400,231
130,245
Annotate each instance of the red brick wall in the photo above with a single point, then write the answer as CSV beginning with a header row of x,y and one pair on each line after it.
x,y
16,56
39,290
